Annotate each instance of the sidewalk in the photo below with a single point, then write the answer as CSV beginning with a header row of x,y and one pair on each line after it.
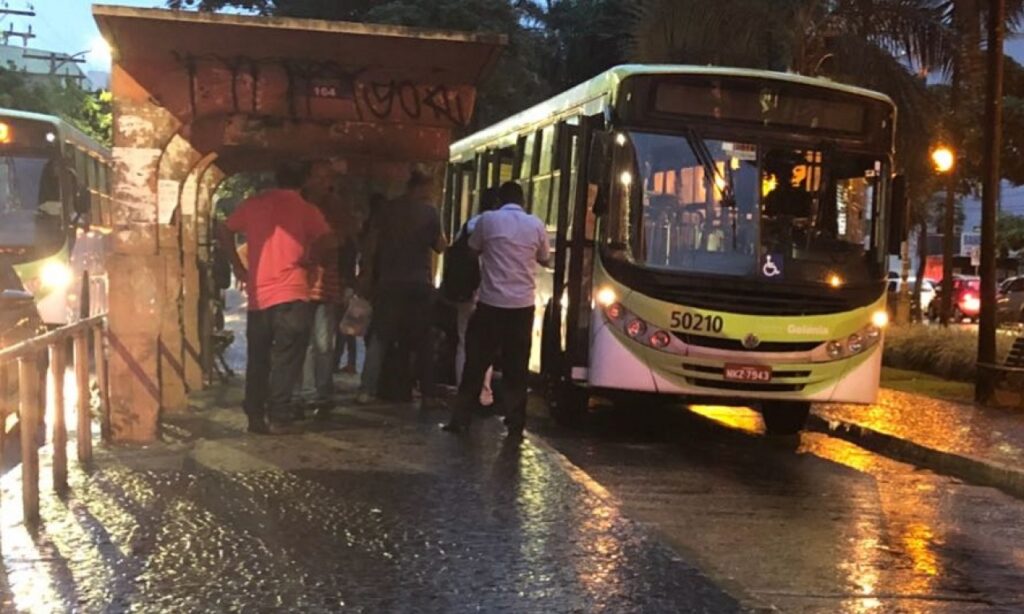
x,y
975,443
374,510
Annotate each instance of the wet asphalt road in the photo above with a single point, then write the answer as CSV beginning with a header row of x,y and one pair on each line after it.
x,y
374,510
815,525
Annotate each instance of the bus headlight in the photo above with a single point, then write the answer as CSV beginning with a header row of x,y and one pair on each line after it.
x,y
620,318
635,328
856,343
872,333
660,339
834,349
55,276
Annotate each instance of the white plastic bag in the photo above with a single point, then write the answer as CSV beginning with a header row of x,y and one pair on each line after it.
x,y
357,317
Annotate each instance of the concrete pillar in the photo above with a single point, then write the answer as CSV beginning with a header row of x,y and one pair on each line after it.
x,y
136,269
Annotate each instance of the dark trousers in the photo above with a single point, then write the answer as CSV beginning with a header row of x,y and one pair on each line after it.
x,y
402,318
499,337
277,337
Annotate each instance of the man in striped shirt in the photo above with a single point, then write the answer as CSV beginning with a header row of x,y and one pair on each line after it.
x,y
326,294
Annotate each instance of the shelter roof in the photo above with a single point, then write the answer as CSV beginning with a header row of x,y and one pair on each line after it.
x,y
253,89
415,54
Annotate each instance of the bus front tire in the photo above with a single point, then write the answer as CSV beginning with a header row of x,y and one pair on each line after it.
x,y
784,417
569,405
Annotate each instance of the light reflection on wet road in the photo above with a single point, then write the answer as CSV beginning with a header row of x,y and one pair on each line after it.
x,y
374,510
817,525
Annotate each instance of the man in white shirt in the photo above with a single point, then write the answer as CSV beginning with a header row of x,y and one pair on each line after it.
x,y
511,242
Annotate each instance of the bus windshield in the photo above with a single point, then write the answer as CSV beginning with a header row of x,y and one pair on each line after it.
x,y
689,204
31,211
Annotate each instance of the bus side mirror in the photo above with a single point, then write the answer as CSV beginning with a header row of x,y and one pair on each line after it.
x,y
898,214
598,165
599,160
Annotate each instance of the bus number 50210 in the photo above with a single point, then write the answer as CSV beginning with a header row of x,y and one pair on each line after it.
x,y
687,320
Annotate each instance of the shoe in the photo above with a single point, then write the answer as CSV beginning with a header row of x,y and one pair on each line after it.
x,y
349,370
283,428
258,426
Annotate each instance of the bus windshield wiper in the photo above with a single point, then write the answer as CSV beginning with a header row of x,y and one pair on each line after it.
x,y
703,154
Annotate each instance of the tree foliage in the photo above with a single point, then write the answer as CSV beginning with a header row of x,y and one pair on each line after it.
x,y
89,111
1010,230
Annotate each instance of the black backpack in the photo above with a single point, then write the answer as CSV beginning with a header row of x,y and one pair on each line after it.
x,y
461,275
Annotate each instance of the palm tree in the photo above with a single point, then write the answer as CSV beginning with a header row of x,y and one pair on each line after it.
x,y
881,44
582,37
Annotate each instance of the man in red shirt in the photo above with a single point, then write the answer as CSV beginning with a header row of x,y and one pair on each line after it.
x,y
284,235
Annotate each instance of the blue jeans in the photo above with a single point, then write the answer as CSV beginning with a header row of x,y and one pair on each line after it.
x,y
318,370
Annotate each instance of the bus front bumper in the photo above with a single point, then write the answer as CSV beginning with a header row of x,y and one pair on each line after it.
x,y
621,364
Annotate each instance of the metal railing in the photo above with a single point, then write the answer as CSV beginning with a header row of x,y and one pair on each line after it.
x,y
31,408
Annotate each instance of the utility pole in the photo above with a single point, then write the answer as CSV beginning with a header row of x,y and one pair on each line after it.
x,y
985,385
57,61
948,219
10,33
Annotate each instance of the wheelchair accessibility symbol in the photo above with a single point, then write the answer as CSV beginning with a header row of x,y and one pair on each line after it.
x,y
771,266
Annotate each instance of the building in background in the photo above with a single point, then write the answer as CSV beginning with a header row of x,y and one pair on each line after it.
x,y
39,65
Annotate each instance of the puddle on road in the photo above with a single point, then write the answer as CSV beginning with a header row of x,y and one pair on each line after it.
x,y
819,525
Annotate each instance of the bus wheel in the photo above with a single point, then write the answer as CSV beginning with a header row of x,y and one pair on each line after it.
x,y
784,417
568,405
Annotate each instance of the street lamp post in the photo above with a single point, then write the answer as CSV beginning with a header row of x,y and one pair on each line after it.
x,y
944,161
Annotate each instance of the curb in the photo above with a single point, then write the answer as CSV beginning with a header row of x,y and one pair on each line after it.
x,y
968,468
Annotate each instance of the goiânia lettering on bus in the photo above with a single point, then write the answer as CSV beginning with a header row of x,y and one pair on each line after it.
x,y
807,329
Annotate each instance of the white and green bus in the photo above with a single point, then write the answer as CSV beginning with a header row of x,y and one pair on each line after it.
x,y
721,235
54,216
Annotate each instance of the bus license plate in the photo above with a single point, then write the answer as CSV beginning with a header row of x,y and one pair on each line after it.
x,y
748,373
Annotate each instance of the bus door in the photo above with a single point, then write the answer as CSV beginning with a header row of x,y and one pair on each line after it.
x,y
574,248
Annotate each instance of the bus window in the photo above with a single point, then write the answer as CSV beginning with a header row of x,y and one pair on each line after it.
x,y
526,165
505,172
686,204
547,151
544,193
466,194
542,198
31,210
819,210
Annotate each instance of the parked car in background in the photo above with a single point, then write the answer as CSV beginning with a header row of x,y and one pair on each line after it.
x,y
927,292
966,299
1010,301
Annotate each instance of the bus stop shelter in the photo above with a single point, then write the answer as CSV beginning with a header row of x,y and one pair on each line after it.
x,y
201,96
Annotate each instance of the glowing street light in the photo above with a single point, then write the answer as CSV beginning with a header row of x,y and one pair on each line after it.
x,y
943,159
